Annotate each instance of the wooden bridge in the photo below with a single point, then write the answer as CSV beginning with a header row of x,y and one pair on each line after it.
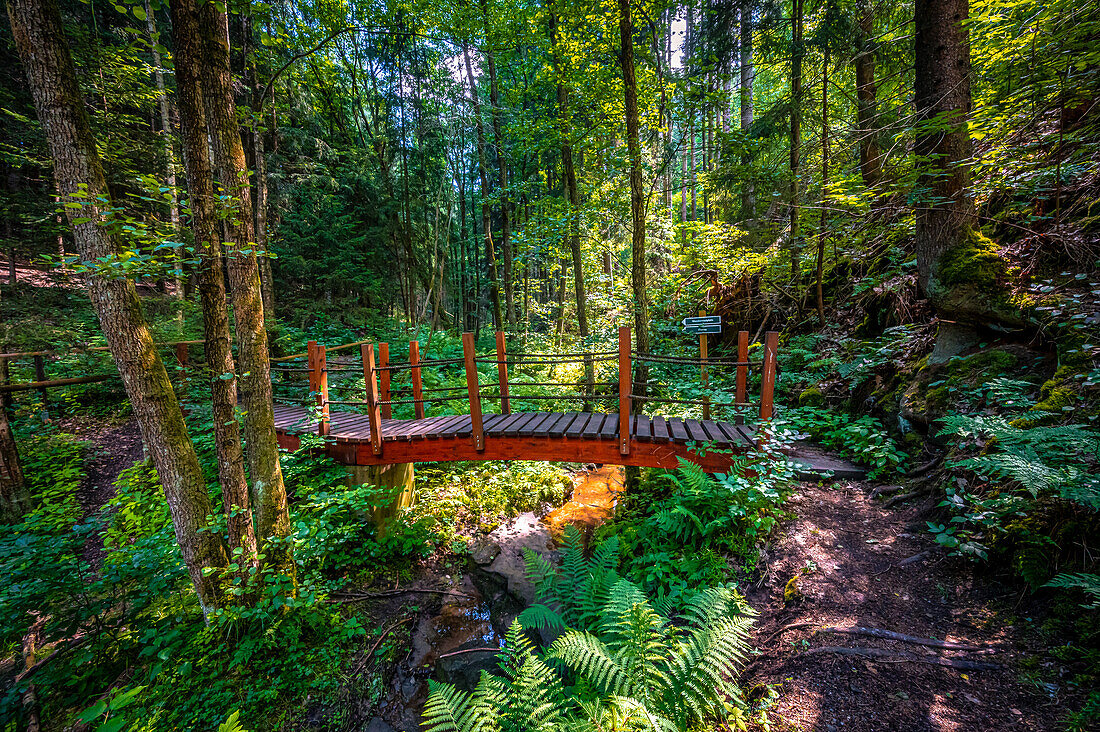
x,y
368,435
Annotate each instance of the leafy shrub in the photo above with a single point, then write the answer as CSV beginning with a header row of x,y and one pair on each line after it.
x,y
863,439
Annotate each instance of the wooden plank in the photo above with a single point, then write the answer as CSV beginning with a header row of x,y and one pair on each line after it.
x,y
695,429
733,437
465,427
624,390
447,427
660,430
677,430
576,429
530,428
749,433
610,429
505,422
559,428
512,428
595,424
543,427
419,430
643,428
477,430
522,428
714,433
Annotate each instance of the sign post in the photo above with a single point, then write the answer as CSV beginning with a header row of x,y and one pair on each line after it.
x,y
703,325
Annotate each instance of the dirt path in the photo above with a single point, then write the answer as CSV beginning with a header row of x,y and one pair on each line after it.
x,y
844,550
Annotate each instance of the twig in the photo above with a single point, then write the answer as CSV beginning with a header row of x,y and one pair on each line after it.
x,y
468,650
785,628
891,635
879,655
884,489
385,632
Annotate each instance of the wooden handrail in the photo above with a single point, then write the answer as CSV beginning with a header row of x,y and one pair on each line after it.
x,y
742,366
502,374
318,383
624,390
469,355
9,388
73,351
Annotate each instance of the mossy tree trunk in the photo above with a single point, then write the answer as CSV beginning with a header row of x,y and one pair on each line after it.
x,y
945,214
36,26
267,491
211,276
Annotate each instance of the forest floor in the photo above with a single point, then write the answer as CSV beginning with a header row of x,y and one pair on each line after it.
x,y
838,563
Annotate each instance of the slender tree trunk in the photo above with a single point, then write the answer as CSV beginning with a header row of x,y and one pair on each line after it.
x,y
211,276
482,171
942,93
796,142
637,197
870,157
824,185
36,26
267,491
748,199
255,138
15,497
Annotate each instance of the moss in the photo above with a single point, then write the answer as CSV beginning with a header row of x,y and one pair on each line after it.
x,y
792,593
811,397
976,262
985,365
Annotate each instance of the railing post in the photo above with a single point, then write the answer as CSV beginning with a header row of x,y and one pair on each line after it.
x,y
767,375
742,367
703,368
502,374
472,387
624,390
384,375
40,375
417,384
319,383
374,415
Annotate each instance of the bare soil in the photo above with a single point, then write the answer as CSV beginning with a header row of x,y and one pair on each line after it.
x,y
836,563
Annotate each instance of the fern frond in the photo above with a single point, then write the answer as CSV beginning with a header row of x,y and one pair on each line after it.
x,y
1090,583
541,617
590,658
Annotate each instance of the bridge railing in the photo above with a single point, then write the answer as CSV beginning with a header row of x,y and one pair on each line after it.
x,y
383,388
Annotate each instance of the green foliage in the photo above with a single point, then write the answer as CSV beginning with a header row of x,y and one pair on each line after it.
x,y
862,438
636,668
1088,583
574,596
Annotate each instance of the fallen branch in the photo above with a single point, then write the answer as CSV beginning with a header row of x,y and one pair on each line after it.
x,y
345,597
385,632
903,497
891,635
910,560
879,655
885,489
785,628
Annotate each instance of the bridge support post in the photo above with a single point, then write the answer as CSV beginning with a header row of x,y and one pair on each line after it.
x,y
374,414
384,376
474,390
502,374
398,480
742,374
767,375
318,383
417,383
624,390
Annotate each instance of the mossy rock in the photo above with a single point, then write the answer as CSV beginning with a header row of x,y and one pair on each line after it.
x,y
975,262
792,593
969,282
982,366
811,397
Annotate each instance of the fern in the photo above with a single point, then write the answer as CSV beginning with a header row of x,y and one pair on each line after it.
x,y
575,596
1090,583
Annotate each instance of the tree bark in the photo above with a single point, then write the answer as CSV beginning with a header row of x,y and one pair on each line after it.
x,y
942,94
15,497
267,492
748,198
796,140
482,171
637,198
36,26
870,156
205,225
824,185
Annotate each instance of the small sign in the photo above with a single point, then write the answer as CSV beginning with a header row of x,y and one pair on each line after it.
x,y
703,320
701,329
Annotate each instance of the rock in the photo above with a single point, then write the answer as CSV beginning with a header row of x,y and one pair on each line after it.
x,y
483,550
952,340
523,532
377,724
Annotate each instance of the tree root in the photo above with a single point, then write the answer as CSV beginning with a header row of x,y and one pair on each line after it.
x,y
879,655
346,597
891,635
883,490
904,497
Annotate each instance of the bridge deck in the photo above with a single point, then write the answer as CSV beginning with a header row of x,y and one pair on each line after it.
x,y
555,436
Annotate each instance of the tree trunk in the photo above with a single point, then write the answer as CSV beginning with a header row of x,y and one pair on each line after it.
x,y
36,26
267,492
482,171
205,225
942,93
637,198
15,497
870,157
824,185
796,141
748,199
